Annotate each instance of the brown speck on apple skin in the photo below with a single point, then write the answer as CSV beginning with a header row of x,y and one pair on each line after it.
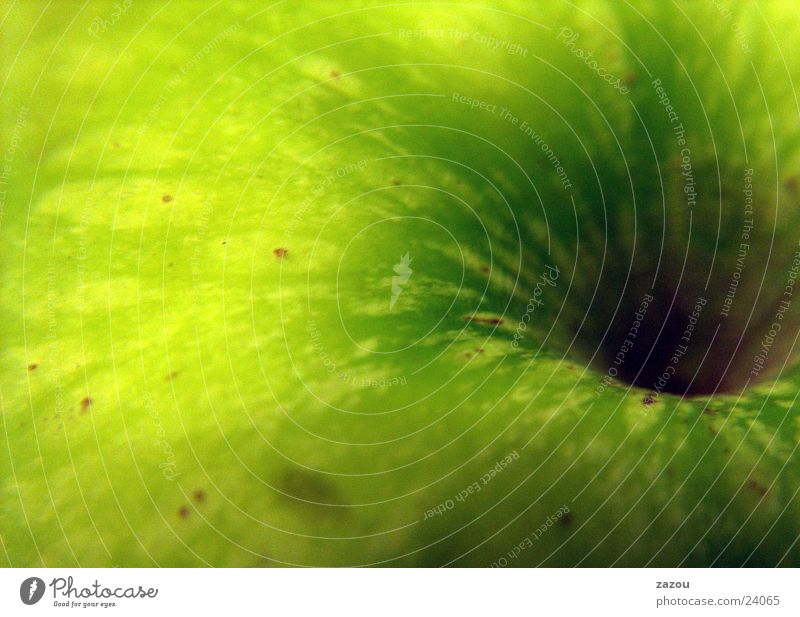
x,y
757,487
33,366
648,400
486,269
395,182
280,252
86,403
183,512
566,520
305,489
199,495
172,375
166,198
335,74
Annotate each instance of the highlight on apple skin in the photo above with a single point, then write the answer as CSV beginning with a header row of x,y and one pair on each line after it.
x,y
489,284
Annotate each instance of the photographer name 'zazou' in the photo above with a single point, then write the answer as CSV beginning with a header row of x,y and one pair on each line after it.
x,y
66,587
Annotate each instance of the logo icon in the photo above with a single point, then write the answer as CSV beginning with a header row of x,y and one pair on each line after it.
x,y
31,590
403,274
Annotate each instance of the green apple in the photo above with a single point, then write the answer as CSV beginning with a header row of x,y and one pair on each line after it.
x,y
364,284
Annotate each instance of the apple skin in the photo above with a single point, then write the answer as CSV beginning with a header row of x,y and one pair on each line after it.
x,y
200,362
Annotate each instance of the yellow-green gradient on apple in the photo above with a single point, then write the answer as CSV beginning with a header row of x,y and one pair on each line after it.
x,y
357,283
